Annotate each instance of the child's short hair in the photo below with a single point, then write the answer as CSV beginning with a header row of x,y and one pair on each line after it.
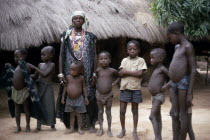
x,y
23,52
52,50
161,53
134,42
176,26
78,63
107,53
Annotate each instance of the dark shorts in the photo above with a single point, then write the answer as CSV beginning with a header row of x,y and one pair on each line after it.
x,y
75,105
182,84
131,96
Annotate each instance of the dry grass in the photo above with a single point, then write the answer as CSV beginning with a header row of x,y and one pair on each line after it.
x,y
26,23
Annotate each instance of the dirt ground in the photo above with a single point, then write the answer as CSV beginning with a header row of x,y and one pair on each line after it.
x,y
200,120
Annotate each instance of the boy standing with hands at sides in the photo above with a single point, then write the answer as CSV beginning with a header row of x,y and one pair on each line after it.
x,y
156,87
20,94
131,72
44,73
75,102
105,76
182,72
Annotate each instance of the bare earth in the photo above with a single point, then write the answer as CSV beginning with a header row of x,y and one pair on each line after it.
x,y
201,121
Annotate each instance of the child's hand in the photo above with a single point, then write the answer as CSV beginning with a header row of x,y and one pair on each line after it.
x,y
189,99
31,66
63,100
86,101
164,88
122,73
8,64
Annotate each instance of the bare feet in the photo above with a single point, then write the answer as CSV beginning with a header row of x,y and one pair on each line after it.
x,y
18,129
100,132
122,134
37,130
92,130
135,136
53,129
69,131
28,129
109,133
81,132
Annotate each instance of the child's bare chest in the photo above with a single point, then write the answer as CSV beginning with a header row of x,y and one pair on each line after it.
x,y
105,74
74,80
44,66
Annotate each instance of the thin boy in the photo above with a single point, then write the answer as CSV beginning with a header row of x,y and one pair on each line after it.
x,y
75,102
20,93
182,72
155,86
131,72
44,73
105,76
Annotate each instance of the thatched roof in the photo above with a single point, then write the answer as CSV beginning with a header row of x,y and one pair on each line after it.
x,y
26,23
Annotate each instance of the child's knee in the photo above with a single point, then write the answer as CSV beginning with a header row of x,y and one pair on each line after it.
x,y
108,112
101,111
134,110
174,114
122,111
182,116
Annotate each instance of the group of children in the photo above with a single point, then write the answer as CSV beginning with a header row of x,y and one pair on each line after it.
x,y
181,73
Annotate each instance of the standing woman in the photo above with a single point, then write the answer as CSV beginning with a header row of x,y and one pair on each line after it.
x,y
78,44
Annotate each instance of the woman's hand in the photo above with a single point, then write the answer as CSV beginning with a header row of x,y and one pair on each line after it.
x,y
61,79
86,101
63,100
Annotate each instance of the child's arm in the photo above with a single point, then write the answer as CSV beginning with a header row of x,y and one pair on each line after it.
x,y
164,70
85,91
165,87
192,66
116,76
36,74
137,73
43,73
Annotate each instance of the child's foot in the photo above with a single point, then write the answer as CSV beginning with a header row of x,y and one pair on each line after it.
x,y
37,130
53,129
100,132
28,129
81,132
135,136
18,129
92,130
109,133
69,131
122,134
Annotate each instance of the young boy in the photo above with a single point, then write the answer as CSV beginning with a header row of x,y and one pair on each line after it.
x,y
155,85
182,72
20,92
75,103
131,72
44,73
105,76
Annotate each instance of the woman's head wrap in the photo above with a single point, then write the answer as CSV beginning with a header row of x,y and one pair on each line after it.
x,y
85,25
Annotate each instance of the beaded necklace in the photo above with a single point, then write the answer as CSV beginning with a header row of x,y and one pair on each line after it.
x,y
78,43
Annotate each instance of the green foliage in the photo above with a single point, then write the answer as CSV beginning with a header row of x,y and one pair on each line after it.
x,y
195,14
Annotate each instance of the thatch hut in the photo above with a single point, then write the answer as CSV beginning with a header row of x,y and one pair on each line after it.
x,y
26,24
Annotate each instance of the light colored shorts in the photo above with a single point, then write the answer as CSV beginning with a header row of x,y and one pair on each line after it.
x,y
161,97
